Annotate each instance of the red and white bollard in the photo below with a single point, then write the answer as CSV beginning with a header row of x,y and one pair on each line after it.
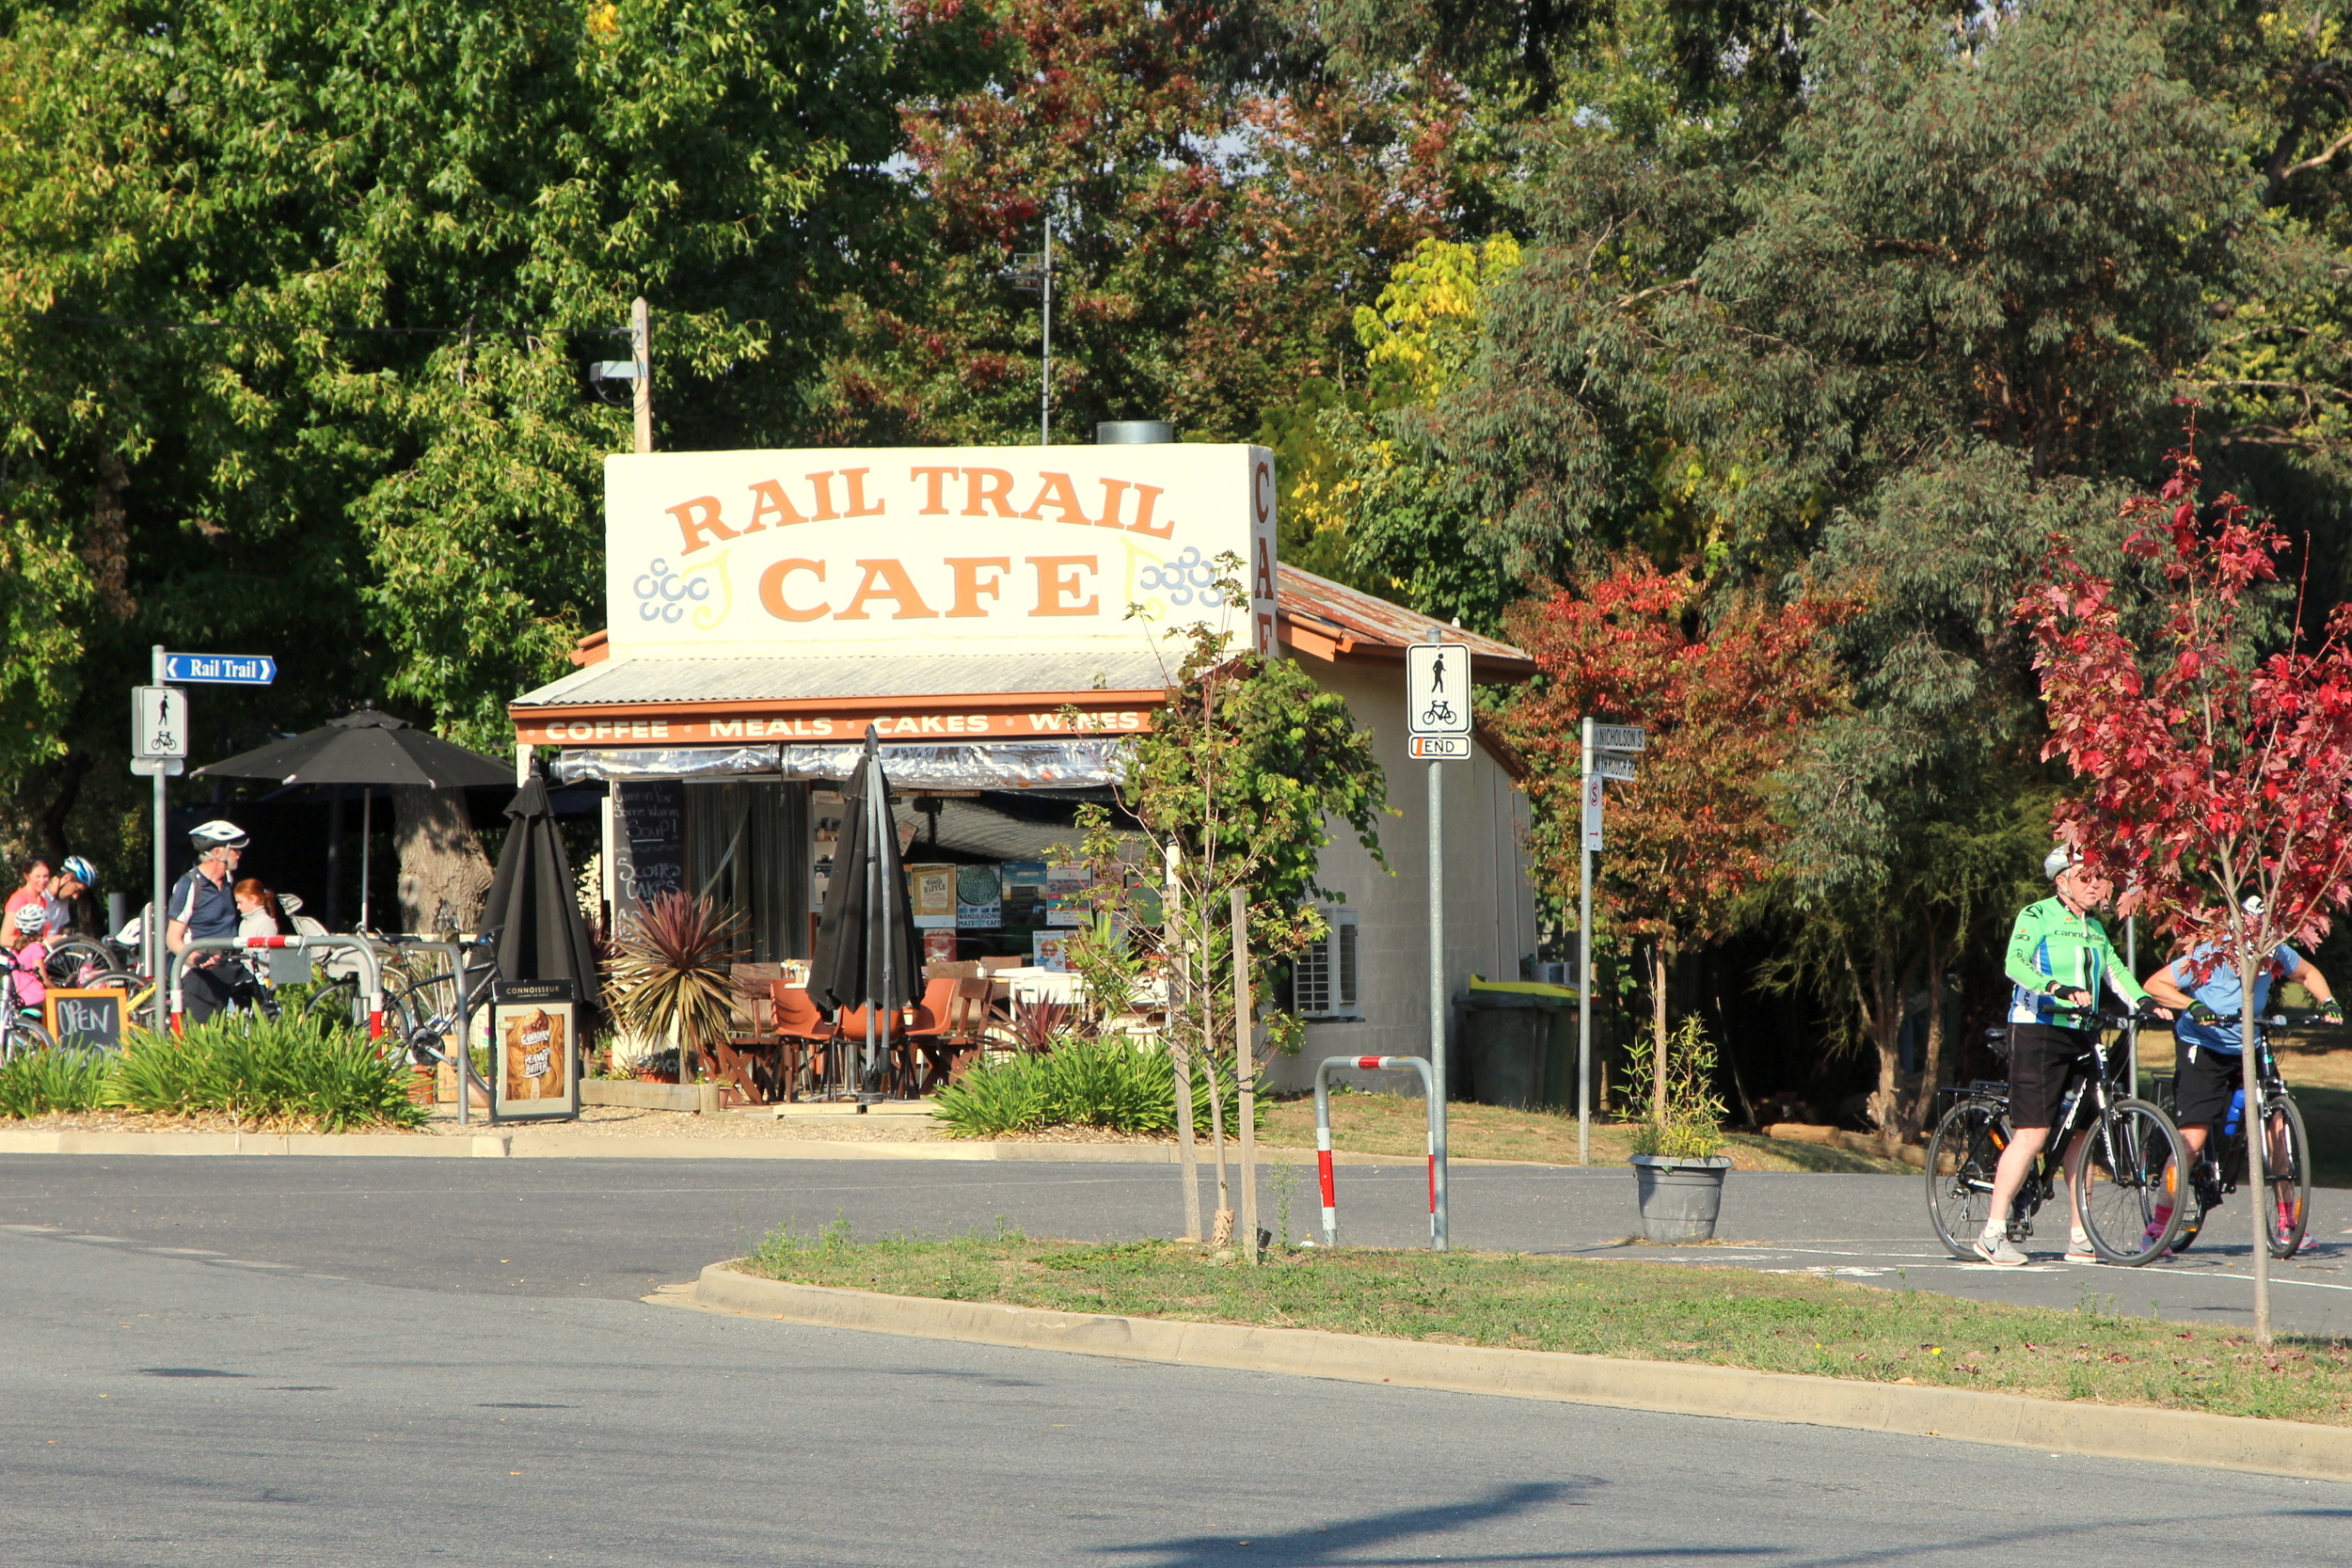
x,y
1323,1133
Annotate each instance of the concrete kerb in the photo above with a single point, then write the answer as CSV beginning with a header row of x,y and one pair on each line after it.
x,y
2111,1432
555,1143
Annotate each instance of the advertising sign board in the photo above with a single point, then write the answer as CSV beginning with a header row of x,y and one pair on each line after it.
x,y
988,548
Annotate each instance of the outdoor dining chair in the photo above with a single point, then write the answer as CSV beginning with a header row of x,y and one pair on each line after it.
x,y
803,1034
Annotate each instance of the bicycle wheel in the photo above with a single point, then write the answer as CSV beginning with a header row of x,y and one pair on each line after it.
x,y
2121,1175
70,965
23,1037
2289,1177
1962,1157
335,1002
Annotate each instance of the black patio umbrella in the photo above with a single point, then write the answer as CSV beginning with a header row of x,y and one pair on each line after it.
x,y
868,953
532,903
364,748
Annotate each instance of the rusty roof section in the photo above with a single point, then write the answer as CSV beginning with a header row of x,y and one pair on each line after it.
x,y
1332,621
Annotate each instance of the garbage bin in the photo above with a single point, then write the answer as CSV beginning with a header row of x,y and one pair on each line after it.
x,y
1506,1042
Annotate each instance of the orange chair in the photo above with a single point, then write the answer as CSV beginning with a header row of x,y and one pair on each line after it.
x,y
806,1033
933,1028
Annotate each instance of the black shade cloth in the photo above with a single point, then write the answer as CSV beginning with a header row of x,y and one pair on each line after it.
x,y
867,956
365,748
534,904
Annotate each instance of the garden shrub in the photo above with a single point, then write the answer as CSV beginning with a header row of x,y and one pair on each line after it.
x,y
1112,1083
48,1080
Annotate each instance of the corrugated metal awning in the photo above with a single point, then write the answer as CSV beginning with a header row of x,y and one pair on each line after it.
x,y
807,678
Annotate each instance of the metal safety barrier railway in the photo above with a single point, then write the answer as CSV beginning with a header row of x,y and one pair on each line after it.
x,y
1323,1140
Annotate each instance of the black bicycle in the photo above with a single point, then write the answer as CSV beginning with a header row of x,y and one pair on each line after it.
x,y
2121,1174
2220,1167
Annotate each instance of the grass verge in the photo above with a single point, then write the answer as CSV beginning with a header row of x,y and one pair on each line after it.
x,y
1393,1124
1641,1311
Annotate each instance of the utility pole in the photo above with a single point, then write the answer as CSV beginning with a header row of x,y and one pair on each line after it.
x,y
1045,375
641,351
1587,831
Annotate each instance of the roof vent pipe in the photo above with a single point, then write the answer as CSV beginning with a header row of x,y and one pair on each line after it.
x,y
1134,433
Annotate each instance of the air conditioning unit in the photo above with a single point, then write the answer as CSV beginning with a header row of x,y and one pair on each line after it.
x,y
1324,977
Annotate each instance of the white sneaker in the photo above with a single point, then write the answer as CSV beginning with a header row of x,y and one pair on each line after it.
x,y
2079,1250
1999,1250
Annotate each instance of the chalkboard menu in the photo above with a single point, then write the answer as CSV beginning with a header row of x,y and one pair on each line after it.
x,y
648,840
89,1020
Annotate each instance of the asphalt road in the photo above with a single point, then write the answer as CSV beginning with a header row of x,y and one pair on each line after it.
x,y
160,1410
617,1228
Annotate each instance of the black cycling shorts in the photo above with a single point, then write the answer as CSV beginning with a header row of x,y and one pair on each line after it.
x,y
2044,1061
2202,1085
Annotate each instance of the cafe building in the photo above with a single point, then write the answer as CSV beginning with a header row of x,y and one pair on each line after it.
x,y
1006,620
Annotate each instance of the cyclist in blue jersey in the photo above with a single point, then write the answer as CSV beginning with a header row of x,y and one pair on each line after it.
x,y
2208,1053
2060,959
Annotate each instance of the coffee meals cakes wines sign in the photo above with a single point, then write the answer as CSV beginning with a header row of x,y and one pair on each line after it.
x,y
984,549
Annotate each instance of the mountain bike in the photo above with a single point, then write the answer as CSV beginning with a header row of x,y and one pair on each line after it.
x,y
429,1002
2220,1167
21,1030
2121,1171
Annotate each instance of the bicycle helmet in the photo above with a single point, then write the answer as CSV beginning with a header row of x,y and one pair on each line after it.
x,y
216,834
80,870
2254,904
32,918
2059,861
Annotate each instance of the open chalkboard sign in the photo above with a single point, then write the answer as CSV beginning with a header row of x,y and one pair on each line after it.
x,y
88,1020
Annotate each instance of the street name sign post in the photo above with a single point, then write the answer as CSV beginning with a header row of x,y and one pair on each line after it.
x,y
1437,730
1608,753
159,747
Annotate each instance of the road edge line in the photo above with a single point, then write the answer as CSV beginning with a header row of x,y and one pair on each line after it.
x,y
2198,1438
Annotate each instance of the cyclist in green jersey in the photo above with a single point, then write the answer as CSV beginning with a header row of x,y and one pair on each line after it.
x,y
2059,958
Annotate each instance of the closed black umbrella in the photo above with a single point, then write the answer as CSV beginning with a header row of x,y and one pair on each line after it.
x,y
534,904
868,953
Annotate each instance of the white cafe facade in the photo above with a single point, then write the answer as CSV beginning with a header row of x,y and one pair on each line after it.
x,y
1004,618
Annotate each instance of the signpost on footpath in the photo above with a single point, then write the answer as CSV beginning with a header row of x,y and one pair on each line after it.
x,y
1438,729
1608,753
159,749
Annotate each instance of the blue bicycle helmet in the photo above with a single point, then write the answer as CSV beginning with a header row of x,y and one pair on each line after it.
x,y
81,871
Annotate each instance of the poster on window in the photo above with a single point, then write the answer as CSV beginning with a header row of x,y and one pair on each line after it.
x,y
1067,883
534,1050
1050,950
979,899
1024,892
931,890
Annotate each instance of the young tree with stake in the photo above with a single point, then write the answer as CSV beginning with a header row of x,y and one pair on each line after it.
x,y
2217,779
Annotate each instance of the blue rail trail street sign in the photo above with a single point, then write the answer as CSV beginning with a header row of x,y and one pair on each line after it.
x,y
220,669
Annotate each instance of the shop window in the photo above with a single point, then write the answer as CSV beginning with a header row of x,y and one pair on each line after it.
x,y
1324,976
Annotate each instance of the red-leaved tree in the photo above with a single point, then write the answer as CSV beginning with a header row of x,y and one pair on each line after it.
x,y
1725,706
2212,775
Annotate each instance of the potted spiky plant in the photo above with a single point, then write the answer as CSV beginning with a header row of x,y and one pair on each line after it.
x,y
668,977
1679,1162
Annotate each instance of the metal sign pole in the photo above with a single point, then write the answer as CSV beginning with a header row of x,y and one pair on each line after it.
x,y
1437,716
1436,1005
1585,964
152,927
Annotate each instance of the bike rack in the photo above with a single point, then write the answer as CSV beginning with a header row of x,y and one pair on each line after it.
x,y
468,1078
1323,1134
368,968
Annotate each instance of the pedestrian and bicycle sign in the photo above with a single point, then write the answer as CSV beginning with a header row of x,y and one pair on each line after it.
x,y
220,669
1438,696
159,720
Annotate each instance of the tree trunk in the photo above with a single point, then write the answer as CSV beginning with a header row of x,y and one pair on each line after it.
x,y
444,875
1889,988
1932,1068
1660,956
108,548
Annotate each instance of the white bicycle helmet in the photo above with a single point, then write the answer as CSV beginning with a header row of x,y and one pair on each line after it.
x,y
216,834
32,919
2058,861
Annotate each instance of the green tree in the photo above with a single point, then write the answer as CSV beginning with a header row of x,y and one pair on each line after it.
x,y
295,308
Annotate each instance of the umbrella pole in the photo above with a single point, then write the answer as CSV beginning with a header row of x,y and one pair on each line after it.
x,y
367,842
877,822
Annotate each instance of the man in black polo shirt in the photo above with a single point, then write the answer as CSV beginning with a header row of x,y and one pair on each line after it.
x,y
203,904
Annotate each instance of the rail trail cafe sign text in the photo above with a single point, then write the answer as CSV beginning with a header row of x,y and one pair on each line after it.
x,y
994,548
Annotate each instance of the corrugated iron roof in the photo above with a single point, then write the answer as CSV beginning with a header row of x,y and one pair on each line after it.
x,y
800,677
1355,621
